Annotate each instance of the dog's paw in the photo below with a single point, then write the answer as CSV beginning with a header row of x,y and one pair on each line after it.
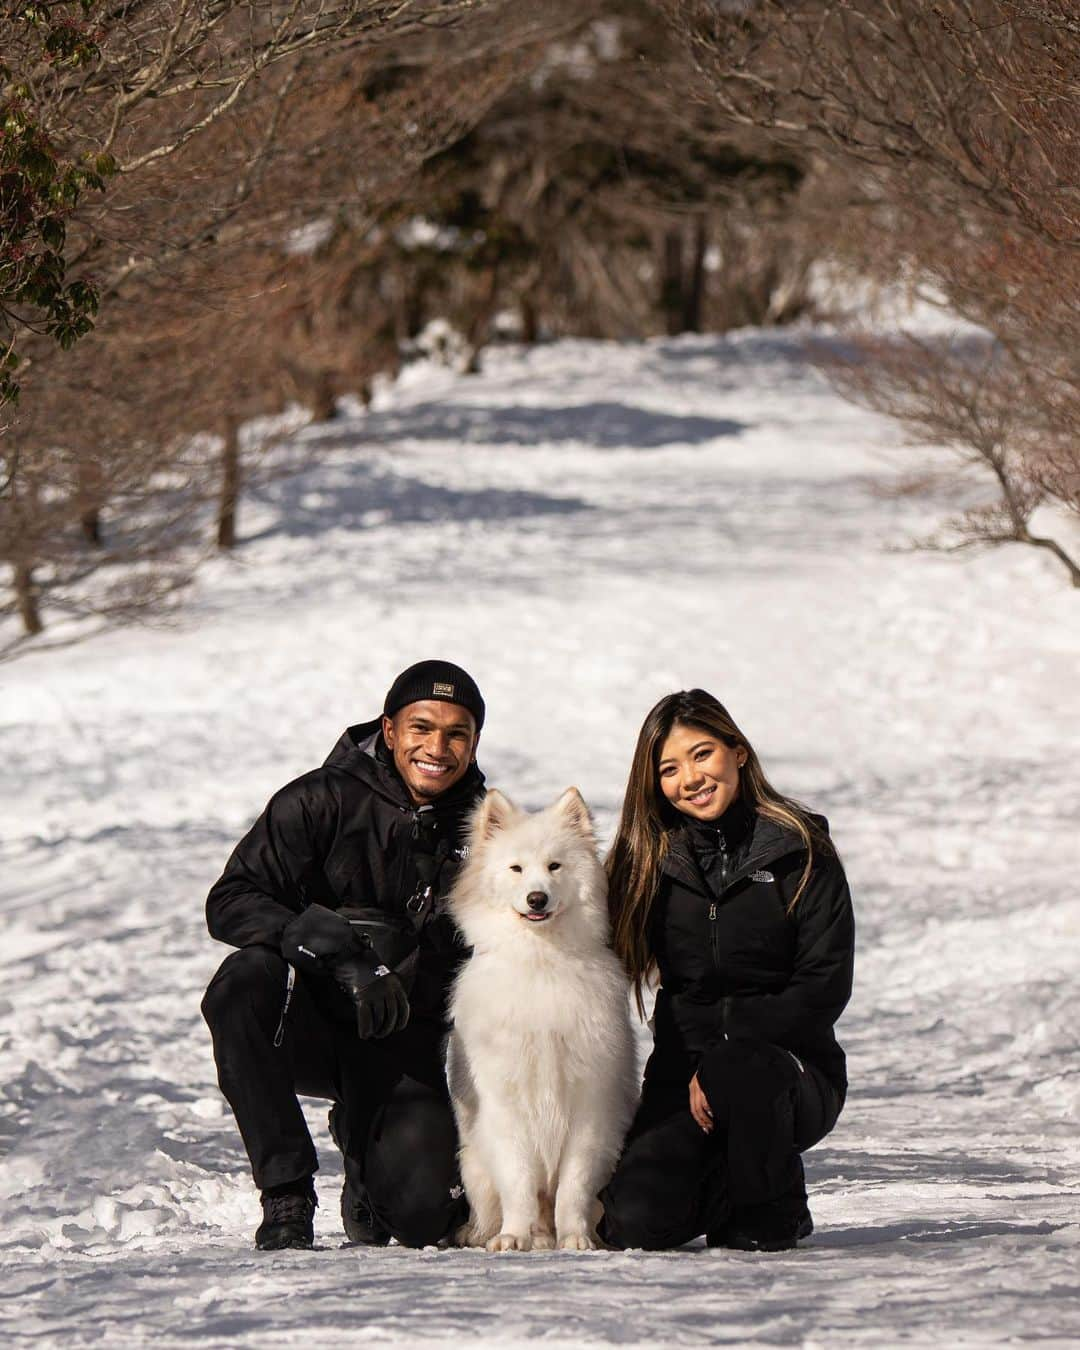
x,y
543,1242
467,1236
509,1242
577,1242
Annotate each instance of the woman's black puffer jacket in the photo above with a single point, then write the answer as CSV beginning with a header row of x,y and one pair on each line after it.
x,y
733,961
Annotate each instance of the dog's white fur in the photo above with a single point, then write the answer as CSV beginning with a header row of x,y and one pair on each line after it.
x,y
541,1060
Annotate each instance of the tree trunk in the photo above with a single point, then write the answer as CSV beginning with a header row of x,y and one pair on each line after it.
x,y
414,307
671,282
694,290
530,319
1040,541
478,331
323,397
90,524
88,480
26,596
230,482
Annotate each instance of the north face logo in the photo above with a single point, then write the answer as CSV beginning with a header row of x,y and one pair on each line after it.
x,y
762,876
442,690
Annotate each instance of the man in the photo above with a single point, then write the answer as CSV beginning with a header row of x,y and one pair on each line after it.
x,y
334,899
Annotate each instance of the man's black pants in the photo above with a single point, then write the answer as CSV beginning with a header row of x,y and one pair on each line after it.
x,y
675,1182
395,1124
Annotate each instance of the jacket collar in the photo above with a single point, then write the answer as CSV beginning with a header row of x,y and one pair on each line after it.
x,y
767,841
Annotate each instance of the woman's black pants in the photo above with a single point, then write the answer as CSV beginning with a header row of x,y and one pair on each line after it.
x,y
675,1182
394,1121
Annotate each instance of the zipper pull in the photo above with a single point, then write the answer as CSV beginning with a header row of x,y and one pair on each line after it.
x,y
420,898
712,910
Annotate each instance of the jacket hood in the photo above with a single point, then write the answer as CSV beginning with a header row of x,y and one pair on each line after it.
x,y
361,751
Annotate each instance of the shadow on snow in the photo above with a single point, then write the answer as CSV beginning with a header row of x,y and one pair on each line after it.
x,y
362,495
598,425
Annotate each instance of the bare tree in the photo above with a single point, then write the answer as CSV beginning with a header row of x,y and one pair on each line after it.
x,y
597,196
96,96
957,127
970,395
294,190
210,312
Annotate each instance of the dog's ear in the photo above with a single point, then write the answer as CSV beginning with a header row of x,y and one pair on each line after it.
x,y
571,806
494,813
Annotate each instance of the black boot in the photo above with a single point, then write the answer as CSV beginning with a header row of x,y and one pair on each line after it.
x,y
361,1226
778,1226
288,1216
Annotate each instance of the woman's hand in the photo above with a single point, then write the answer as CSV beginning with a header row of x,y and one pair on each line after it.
x,y
699,1106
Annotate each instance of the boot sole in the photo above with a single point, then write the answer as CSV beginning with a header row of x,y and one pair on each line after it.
x,y
746,1242
299,1243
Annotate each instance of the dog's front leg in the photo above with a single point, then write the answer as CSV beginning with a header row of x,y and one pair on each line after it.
x,y
516,1173
583,1169
483,1197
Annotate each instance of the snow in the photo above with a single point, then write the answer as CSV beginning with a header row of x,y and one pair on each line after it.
x,y
584,526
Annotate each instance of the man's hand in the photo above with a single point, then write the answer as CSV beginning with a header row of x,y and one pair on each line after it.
x,y
699,1106
316,937
382,1006
320,940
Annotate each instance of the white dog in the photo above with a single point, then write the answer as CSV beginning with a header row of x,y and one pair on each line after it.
x,y
541,1061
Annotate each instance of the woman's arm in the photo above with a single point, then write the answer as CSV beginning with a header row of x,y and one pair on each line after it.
x,y
820,984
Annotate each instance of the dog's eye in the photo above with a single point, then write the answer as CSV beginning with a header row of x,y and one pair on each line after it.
x,y
515,867
554,867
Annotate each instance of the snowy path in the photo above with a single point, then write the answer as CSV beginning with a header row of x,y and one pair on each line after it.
x,y
584,527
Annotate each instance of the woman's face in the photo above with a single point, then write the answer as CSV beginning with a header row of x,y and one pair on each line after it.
x,y
699,774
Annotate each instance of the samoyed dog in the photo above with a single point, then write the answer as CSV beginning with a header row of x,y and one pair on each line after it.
x,y
541,1059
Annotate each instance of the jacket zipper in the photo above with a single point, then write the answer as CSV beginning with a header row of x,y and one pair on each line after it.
x,y
714,940
727,881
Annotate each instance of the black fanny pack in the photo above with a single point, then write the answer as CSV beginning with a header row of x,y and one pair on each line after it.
x,y
393,937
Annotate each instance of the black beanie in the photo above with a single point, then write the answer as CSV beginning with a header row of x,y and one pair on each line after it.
x,y
439,680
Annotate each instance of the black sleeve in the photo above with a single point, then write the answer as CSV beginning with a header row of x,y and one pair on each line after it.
x,y
820,984
277,868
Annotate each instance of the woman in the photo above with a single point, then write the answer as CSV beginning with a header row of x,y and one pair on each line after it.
x,y
736,897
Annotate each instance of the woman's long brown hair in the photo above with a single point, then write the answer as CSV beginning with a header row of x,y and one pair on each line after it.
x,y
641,841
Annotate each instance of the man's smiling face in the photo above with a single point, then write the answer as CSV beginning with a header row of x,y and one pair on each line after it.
x,y
433,743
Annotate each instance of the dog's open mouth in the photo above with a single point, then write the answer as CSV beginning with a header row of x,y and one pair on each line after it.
x,y
536,918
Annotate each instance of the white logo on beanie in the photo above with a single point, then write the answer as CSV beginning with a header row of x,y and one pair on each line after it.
x,y
442,690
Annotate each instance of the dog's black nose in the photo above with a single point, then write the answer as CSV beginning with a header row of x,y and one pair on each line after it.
x,y
537,900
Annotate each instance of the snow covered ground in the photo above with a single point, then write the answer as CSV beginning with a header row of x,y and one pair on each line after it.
x,y
585,527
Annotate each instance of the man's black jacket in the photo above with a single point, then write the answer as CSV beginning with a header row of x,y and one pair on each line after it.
x,y
348,835
733,961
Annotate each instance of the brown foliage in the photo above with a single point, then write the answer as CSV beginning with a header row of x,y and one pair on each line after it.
x,y
957,128
230,136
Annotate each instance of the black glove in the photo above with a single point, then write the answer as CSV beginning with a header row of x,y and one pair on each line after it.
x,y
321,941
382,1005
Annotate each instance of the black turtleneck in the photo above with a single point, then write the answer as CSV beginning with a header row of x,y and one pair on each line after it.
x,y
719,844
727,832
